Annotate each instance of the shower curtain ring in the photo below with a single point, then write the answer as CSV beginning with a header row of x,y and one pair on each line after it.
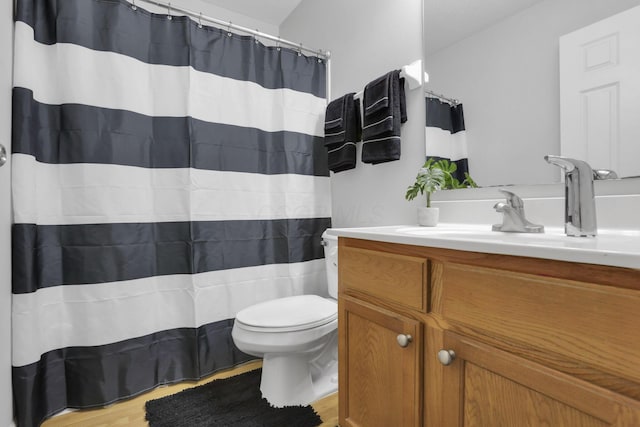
x,y
319,56
133,5
229,29
278,44
169,17
255,36
300,50
200,21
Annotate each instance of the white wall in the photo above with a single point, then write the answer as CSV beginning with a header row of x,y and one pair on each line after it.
x,y
368,38
6,65
496,69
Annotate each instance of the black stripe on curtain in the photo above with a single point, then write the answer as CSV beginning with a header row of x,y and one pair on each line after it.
x,y
444,116
110,25
448,144
73,133
159,358
49,255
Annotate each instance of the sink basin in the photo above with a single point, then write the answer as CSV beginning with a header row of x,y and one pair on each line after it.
x,y
611,247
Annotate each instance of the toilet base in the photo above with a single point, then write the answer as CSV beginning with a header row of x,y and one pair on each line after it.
x,y
294,380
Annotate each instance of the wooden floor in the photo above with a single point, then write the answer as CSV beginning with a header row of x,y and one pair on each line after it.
x,y
131,412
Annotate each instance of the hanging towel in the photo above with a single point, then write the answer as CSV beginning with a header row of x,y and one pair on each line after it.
x,y
384,111
342,129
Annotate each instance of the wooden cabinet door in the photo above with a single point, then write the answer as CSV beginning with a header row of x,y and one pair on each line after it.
x,y
484,386
380,379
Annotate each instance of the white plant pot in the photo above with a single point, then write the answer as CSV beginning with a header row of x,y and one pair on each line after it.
x,y
428,217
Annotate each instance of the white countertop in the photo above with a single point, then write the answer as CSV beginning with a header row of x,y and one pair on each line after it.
x,y
620,248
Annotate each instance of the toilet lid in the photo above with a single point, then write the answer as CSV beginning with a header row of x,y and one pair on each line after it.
x,y
290,313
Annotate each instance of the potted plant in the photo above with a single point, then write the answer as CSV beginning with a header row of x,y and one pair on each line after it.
x,y
430,179
433,176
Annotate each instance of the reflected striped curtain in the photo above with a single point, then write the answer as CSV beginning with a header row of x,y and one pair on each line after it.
x,y
446,136
165,176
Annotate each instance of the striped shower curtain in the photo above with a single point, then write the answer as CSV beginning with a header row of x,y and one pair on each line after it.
x,y
445,136
165,176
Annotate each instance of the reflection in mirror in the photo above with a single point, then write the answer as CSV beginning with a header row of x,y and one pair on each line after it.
x,y
501,61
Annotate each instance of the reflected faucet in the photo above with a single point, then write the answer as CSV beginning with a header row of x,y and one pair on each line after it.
x,y
579,197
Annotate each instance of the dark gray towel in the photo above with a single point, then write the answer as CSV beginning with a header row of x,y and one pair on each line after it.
x,y
334,120
384,111
343,130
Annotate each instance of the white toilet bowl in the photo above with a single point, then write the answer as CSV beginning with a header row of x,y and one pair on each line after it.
x,y
297,337
300,360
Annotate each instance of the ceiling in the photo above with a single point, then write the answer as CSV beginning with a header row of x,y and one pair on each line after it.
x,y
448,21
269,11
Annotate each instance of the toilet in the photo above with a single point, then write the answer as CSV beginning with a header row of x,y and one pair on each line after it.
x,y
297,338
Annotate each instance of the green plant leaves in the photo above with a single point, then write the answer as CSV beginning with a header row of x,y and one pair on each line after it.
x,y
434,176
429,180
451,182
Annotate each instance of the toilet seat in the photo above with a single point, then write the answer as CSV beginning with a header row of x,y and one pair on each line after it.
x,y
288,314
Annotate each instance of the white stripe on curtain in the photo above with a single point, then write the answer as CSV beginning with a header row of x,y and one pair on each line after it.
x,y
115,193
66,73
66,316
442,143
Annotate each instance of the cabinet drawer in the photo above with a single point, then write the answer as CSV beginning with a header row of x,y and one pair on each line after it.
x,y
591,324
395,278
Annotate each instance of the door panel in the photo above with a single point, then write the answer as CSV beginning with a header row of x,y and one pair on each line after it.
x,y
485,386
379,379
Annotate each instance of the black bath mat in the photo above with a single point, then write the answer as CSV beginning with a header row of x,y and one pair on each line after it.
x,y
234,401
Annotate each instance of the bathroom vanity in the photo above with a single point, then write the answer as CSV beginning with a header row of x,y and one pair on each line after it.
x,y
448,328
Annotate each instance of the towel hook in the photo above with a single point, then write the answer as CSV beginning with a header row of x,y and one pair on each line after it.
x,y
200,20
133,5
169,17
229,29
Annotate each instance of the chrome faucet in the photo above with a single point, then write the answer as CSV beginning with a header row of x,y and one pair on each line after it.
x,y
579,197
513,219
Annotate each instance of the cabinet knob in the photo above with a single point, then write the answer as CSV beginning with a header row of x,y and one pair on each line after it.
x,y
446,357
404,340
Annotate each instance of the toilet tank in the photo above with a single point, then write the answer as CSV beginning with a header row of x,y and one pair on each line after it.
x,y
330,244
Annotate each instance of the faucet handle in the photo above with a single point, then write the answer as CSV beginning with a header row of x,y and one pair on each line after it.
x,y
512,199
604,174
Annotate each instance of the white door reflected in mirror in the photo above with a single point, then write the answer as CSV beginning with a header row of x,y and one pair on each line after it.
x,y
599,85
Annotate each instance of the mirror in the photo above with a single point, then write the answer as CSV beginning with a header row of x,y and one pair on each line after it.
x,y
500,60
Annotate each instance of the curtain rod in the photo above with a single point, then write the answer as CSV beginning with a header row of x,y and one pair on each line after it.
x,y
442,97
229,25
